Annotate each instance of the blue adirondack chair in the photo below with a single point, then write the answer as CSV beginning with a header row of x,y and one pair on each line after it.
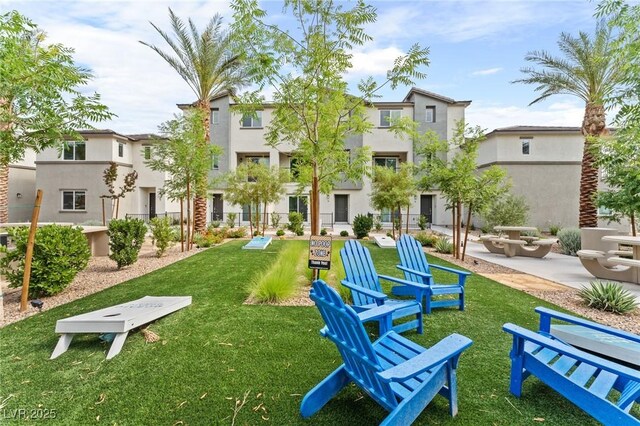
x,y
366,292
417,268
604,389
401,376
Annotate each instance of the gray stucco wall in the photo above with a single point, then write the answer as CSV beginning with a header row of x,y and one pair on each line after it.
x,y
220,135
22,180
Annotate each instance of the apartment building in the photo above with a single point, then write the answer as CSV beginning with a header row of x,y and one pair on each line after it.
x,y
243,139
544,165
72,178
22,188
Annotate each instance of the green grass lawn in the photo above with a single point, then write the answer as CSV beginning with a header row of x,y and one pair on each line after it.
x,y
217,350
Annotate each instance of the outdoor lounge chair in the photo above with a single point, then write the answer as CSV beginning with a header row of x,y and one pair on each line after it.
x,y
401,376
366,292
416,268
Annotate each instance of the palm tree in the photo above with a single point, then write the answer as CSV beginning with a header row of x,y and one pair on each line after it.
x,y
207,62
589,71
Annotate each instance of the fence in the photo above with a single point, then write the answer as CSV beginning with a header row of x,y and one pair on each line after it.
x,y
175,216
414,220
242,218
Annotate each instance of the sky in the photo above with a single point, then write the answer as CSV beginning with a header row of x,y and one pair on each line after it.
x,y
477,49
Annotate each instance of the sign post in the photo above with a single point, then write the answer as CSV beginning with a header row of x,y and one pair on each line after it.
x,y
320,252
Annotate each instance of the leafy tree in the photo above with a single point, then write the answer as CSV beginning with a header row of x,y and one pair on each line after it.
x,y
393,190
110,176
41,103
207,63
313,112
589,71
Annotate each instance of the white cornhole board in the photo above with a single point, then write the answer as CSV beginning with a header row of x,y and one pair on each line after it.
x,y
117,319
385,242
258,243
601,343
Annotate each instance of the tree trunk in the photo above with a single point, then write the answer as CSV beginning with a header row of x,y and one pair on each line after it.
x,y
407,222
315,202
193,229
200,209
264,221
393,223
459,229
466,233
4,193
181,224
188,212
633,224
453,226
250,221
593,125
399,221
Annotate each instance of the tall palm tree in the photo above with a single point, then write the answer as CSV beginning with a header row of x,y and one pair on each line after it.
x,y
589,71
207,62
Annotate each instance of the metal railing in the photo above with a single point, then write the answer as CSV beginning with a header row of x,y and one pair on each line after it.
x,y
242,218
146,217
414,220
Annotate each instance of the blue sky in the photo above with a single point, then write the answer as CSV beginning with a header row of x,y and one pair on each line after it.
x,y
477,48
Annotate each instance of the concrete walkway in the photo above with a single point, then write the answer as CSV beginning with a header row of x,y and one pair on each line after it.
x,y
559,268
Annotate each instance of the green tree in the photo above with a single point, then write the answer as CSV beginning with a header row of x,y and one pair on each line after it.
x,y
313,112
206,61
110,176
393,190
184,157
589,71
41,104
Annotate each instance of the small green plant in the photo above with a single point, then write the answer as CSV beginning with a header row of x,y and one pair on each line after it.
x,y
422,222
281,280
216,224
554,229
295,223
608,296
275,220
279,232
125,240
344,233
208,239
443,245
569,239
231,219
59,253
362,224
377,224
397,224
323,231
162,234
426,239
240,232
389,234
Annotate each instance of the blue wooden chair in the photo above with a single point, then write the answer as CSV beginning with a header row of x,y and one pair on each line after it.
x,y
401,376
604,389
416,268
366,292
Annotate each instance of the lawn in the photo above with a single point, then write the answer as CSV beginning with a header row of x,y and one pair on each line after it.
x,y
218,350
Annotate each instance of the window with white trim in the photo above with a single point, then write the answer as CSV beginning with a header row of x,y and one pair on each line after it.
x,y
120,149
390,162
430,116
388,115
298,204
73,200
215,116
252,120
147,152
74,151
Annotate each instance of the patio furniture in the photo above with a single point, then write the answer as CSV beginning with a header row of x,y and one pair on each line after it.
x,y
416,268
401,376
619,265
515,244
258,243
366,291
604,389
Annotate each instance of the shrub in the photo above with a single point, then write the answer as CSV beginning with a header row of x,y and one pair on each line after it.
x,y
256,233
295,223
323,231
507,210
344,233
162,234
231,220
443,245
175,233
280,281
279,232
216,224
362,224
554,229
59,253
422,222
608,296
208,239
426,239
569,239
275,220
377,224
125,240
237,233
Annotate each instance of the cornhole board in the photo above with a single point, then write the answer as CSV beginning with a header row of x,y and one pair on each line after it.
x,y
385,242
258,243
599,342
119,319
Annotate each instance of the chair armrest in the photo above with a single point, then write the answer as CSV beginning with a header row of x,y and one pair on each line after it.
x,y
545,322
413,271
447,348
445,268
370,293
376,313
405,282
610,366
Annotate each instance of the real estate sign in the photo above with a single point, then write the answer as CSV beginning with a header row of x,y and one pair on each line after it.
x,y
320,252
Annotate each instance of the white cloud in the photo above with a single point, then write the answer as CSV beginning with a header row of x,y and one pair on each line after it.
x,y
492,116
373,61
488,71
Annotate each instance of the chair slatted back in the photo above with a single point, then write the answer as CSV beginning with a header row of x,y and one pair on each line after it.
x,y
359,270
347,332
412,256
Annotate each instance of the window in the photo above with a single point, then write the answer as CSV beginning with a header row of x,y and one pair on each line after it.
x,y
73,200
388,115
120,149
258,160
298,204
215,116
431,114
255,214
215,162
604,211
526,145
293,168
390,162
74,151
147,152
252,120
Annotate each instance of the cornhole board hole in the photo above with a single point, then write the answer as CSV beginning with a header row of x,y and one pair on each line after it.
x,y
118,320
258,243
385,242
598,342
